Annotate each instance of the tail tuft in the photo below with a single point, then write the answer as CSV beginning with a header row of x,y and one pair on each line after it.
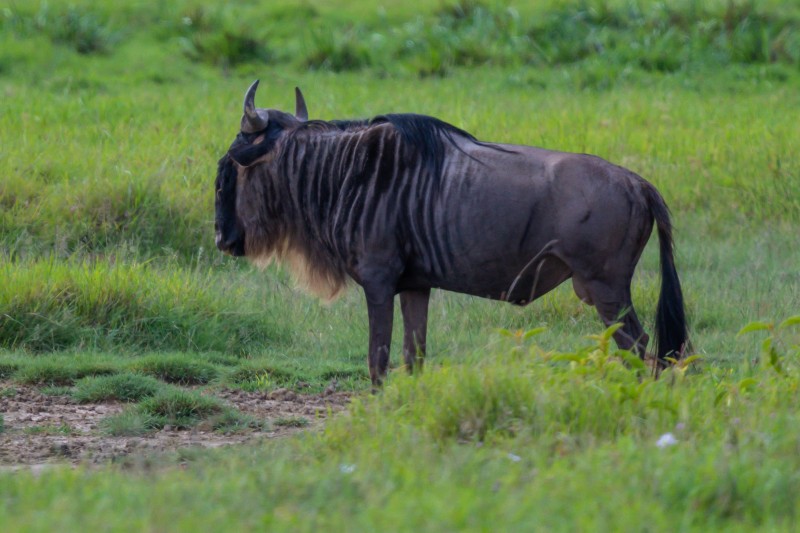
x,y
671,332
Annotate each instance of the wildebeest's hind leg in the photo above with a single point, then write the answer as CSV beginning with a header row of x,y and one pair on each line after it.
x,y
614,304
414,305
380,308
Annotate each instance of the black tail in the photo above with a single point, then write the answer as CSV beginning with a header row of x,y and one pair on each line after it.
x,y
671,335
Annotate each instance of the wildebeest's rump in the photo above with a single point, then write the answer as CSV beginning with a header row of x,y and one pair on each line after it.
x,y
405,203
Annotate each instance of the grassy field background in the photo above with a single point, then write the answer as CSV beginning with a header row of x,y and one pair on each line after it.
x,y
113,118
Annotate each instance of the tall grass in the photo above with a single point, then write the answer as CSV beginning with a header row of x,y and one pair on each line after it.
x,y
49,305
146,187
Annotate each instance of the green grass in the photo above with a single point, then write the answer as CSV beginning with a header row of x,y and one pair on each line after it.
x,y
291,422
119,387
130,423
113,117
50,305
178,408
8,368
58,390
61,371
50,429
177,368
503,451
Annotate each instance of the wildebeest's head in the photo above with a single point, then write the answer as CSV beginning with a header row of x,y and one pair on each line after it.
x,y
259,132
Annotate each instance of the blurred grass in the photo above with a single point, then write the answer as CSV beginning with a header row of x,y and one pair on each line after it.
x,y
424,38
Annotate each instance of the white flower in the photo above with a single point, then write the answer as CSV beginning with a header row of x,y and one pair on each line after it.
x,y
666,440
347,469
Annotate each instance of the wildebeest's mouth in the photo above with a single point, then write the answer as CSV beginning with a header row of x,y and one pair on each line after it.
x,y
233,247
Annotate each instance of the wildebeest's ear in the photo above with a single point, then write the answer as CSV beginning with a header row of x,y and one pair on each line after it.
x,y
246,154
254,119
300,111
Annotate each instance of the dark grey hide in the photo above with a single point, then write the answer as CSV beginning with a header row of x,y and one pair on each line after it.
x,y
402,204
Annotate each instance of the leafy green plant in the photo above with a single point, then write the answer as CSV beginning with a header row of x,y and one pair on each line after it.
x,y
776,349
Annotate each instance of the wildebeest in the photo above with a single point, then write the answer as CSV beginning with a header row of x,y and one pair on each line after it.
x,y
404,203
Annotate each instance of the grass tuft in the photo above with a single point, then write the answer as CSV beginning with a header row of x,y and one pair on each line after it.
x,y
179,408
130,423
233,421
292,422
181,369
57,390
61,371
263,375
8,369
122,387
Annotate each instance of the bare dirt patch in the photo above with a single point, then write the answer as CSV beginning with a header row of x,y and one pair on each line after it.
x,y
41,429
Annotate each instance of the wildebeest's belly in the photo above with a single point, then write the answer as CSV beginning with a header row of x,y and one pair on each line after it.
x,y
518,280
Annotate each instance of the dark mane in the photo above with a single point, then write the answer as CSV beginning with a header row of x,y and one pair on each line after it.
x,y
426,135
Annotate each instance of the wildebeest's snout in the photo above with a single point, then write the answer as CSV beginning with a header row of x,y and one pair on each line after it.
x,y
232,243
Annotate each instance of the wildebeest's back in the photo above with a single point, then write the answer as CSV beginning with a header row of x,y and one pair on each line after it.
x,y
499,209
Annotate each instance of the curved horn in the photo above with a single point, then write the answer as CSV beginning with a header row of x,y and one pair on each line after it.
x,y
300,111
255,121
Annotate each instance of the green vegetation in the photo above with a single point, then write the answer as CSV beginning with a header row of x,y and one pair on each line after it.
x,y
292,422
51,305
678,452
113,117
63,370
176,369
180,409
49,429
131,423
119,387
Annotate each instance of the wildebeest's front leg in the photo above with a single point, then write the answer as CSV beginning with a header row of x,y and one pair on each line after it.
x,y
380,308
414,305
